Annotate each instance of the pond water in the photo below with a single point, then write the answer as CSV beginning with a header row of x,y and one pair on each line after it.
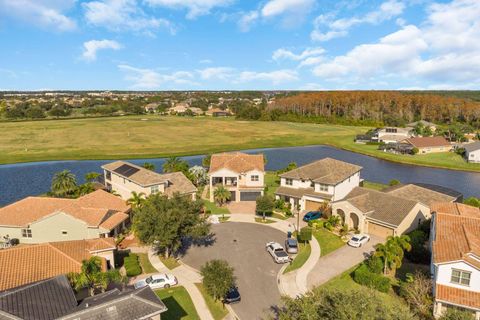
x,y
26,179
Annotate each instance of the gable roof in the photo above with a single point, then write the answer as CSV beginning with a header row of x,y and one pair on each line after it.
x,y
470,147
29,263
327,171
457,296
93,208
425,142
237,162
42,300
380,206
457,233
178,182
419,193
119,305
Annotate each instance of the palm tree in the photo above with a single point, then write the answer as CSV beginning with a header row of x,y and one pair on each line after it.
x,y
92,277
171,164
221,195
136,200
392,252
91,176
63,183
149,166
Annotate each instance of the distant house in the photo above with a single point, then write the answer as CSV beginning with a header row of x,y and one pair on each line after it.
x,y
426,124
217,112
125,178
41,219
392,134
151,107
392,212
54,299
29,263
472,152
179,108
323,180
455,266
242,174
429,144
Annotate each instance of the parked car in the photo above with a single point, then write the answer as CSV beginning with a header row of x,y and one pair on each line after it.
x,y
312,215
232,296
157,281
291,245
358,240
277,252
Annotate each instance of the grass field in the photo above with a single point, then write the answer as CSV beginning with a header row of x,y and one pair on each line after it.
x,y
171,263
150,136
179,304
147,267
216,307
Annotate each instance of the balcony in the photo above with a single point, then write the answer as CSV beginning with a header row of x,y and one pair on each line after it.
x,y
226,181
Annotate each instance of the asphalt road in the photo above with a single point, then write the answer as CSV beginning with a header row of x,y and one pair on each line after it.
x,y
243,246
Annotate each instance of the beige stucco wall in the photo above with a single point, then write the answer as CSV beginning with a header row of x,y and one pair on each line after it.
x,y
418,214
125,187
108,255
434,149
348,209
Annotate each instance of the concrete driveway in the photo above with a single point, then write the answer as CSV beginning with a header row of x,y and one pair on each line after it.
x,y
339,261
242,207
243,246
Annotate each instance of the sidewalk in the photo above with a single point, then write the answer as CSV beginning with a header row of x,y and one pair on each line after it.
x,y
187,277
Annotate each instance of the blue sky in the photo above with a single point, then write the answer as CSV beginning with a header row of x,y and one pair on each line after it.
x,y
233,44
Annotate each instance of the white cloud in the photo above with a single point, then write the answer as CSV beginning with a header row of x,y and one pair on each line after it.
x,y
246,20
277,7
151,79
222,73
91,47
195,7
119,15
45,13
206,61
282,53
339,27
275,77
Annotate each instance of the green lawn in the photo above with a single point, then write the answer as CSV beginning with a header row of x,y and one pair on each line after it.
x,y
374,185
214,209
216,308
145,263
266,221
170,263
328,241
130,137
179,304
272,182
300,258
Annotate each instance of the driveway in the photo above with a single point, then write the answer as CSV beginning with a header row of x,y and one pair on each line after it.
x,y
242,207
243,246
339,261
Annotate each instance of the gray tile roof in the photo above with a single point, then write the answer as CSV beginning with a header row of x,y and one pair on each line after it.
x,y
42,300
119,305
380,206
469,147
327,171
422,193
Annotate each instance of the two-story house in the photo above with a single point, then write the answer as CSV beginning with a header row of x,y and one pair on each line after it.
x,y
242,174
323,180
125,178
455,266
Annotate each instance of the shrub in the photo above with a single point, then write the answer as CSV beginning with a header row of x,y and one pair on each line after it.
x,y
415,150
394,182
457,314
305,234
132,265
375,264
419,253
364,276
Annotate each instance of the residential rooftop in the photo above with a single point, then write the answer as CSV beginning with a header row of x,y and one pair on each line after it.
x,y
425,142
422,193
237,162
470,147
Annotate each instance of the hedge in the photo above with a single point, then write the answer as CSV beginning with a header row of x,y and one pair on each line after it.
x,y
132,265
305,234
372,280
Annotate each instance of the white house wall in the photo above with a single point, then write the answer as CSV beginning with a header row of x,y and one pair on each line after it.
x,y
444,274
474,156
296,184
343,188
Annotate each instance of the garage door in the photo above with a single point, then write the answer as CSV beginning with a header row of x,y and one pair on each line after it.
x,y
312,205
379,230
249,196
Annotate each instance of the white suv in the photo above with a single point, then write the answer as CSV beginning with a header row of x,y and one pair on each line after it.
x,y
277,252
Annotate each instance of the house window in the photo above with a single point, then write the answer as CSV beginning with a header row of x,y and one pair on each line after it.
x,y
154,189
27,233
323,187
460,277
64,232
288,182
108,175
254,178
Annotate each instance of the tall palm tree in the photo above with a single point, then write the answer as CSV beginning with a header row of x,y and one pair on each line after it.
x,y
91,176
392,252
171,164
221,195
63,183
149,166
136,200
92,277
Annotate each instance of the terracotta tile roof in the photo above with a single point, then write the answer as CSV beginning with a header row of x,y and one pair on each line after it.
x,y
380,206
114,220
419,193
457,296
327,171
93,208
143,177
425,142
457,233
237,162
30,263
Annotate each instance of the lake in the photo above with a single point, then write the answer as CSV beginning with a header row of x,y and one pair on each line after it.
x,y
26,179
